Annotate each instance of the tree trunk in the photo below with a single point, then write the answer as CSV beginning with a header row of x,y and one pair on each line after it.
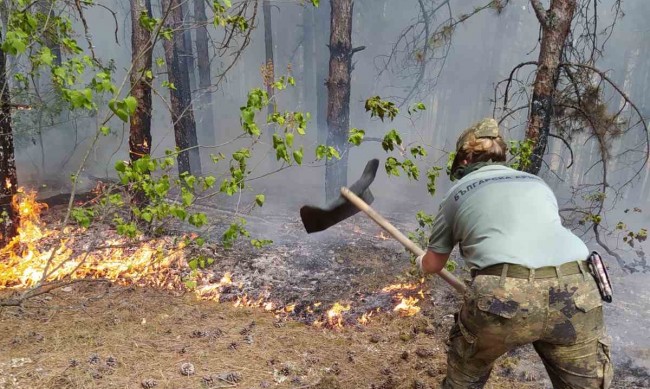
x,y
46,7
187,43
308,74
181,96
9,218
268,44
205,78
338,86
141,52
323,26
556,25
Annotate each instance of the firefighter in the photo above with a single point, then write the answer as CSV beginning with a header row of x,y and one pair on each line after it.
x,y
530,282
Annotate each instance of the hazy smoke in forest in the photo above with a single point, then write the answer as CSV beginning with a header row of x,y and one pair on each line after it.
x,y
482,51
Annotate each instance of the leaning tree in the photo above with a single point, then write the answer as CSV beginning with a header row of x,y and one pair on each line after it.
x,y
581,106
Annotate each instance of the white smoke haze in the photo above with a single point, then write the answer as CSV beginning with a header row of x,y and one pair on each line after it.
x,y
460,91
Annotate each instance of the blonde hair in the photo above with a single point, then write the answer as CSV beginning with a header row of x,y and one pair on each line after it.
x,y
483,149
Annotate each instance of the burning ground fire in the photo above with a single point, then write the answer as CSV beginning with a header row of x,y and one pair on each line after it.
x,y
161,263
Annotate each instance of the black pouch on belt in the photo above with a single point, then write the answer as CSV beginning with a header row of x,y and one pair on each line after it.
x,y
599,271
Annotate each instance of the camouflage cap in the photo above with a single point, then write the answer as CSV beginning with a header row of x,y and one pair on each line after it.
x,y
486,128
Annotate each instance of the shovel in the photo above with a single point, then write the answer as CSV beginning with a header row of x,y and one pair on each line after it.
x,y
352,200
318,219
406,242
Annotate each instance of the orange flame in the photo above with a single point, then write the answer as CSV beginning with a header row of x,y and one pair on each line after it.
x,y
382,236
394,287
152,263
408,307
335,315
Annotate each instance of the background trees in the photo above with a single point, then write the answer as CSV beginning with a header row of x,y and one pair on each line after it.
x,y
585,129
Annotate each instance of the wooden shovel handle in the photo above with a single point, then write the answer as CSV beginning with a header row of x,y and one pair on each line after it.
x,y
412,247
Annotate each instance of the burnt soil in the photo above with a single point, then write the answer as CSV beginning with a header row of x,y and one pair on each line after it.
x,y
100,335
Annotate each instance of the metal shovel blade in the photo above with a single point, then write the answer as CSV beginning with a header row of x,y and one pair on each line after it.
x,y
318,219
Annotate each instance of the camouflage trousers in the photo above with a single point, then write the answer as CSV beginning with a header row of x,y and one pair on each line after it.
x,y
561,316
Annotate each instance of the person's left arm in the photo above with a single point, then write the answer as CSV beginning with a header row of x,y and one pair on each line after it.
x,y
431,262
441,243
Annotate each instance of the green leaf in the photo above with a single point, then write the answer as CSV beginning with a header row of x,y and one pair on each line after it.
x,y
131,104
46,57
418,151
198,220
116,107
356,136
187,198
257,243
178,212
297,156
209,181
105,130
391,139
120,166
147,216
391,166
259,199
248,116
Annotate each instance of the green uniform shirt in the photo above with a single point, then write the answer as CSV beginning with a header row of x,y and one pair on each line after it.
x,y
501,215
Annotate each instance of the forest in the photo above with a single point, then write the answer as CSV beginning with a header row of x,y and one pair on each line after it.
x,y
155,156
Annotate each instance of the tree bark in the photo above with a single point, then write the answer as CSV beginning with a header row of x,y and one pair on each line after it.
x,y
141,49
338,86
268,44
556,25
9,218
181,96
323,26
309,84
45,7
188,53
205,77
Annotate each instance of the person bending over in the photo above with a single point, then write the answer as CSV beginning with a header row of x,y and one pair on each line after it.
x,y
530,282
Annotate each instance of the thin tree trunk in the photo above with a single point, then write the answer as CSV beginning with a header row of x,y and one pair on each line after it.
x,y
268,44
205,77
187,43
141,49
556,25
338,86
309,76
323,28
46,7
9,218
180,96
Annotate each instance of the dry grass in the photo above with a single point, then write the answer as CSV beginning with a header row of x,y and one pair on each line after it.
x,y
150,334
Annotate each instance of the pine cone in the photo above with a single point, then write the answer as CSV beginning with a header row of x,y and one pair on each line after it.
x,y
187,369
111,361
149,383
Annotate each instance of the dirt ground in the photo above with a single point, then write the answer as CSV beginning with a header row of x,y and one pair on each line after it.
x,y
102,336
99,335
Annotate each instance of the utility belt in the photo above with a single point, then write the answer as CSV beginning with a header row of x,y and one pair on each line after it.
x,y
594,265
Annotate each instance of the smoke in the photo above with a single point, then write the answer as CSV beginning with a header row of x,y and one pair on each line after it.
x,y
482,51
